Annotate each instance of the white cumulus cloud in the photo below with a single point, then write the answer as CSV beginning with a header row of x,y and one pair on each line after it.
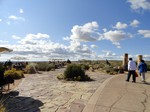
x,y
21,11
145,33
115,36
13,17
85,33
39,46
34,38
94,46
139,4
3,42
108,55
120,25
134,23
15,37
104,30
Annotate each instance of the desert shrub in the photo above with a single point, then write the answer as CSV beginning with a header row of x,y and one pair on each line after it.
x,y
2,107
2,69
31,68
148,66
74,72
84,67
120,69
43,66
68,61
110,69
51,66
60,76
15,74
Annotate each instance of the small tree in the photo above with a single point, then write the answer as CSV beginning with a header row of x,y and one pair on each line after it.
x,y
68,61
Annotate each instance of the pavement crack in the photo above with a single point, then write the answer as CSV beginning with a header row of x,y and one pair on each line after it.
x,y
81,96
114,103
145,100
118,99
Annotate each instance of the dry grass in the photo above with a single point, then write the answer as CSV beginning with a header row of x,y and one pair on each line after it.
x,y
2,107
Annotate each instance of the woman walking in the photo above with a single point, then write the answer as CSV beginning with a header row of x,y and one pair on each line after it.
x,y
142,67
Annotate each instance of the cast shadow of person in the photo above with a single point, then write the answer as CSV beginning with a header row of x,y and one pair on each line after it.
x,y
146,83
14,103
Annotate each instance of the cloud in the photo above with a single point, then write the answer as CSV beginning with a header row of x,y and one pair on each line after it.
x,y
94,46
15,18
145,33
39,46
139,4
85,33
8,22
0,20
146,57
78,48
120,25
104,30
134,23
37,36
15,37
108,55
66,38
34,39
21,11
3,42
115,36
89,32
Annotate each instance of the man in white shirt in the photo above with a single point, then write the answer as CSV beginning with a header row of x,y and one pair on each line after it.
x,y
131,70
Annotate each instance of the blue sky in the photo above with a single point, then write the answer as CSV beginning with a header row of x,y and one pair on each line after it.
x,y
75,29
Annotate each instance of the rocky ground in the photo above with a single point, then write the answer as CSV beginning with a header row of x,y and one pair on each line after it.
x,y
45,93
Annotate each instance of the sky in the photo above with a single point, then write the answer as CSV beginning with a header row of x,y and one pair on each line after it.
x,y
42,30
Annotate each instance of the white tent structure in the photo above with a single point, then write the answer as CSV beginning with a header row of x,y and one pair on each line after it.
x,y
19,58
4,49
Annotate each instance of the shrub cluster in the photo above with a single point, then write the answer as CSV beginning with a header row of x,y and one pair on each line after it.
x,y
74,72
15,74
148,66
112,70
84,66
31,68
45,66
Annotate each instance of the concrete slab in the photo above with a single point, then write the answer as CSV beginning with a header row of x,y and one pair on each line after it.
x,y
117,95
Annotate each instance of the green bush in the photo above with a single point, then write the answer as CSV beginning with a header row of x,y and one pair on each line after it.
x,y
74,72
148,66
15,74
43,66
31,68
68,61
110,69
84,67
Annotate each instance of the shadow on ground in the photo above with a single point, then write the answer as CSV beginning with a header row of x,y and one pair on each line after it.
x,y
15,103
146,83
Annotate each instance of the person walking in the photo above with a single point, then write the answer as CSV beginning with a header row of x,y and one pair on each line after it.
x,y
142,67
131,70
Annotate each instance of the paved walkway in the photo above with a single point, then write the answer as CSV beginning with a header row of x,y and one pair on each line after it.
x,y
45,93
117,95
